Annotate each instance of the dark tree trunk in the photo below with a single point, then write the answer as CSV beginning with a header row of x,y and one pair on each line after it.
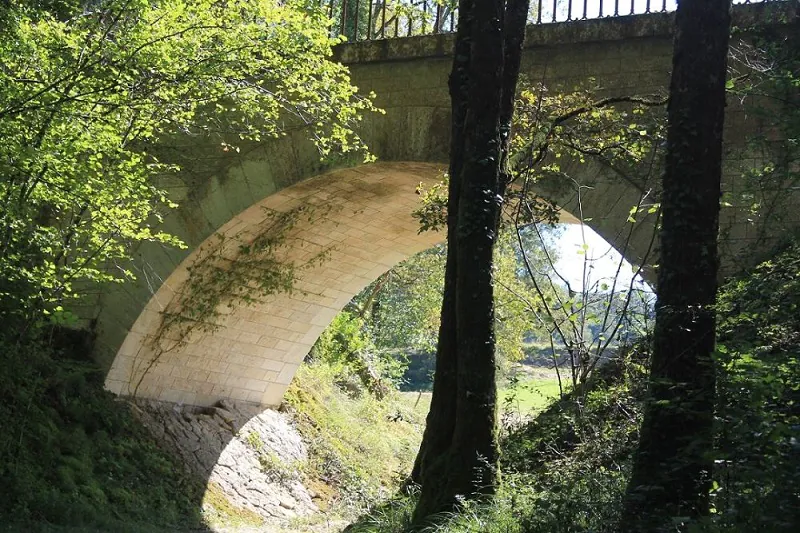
x,y
441,417
672,467
459,455
474,450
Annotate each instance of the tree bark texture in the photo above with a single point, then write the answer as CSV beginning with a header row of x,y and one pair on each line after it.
x,y
459,453
440,421
671,474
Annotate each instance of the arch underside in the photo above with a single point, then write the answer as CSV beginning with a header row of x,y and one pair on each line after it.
x,y
355,226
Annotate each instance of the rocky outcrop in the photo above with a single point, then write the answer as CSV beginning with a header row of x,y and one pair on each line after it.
x,y
255,457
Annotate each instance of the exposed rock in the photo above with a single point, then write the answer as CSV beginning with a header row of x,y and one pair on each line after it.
x,y
253,456
287,504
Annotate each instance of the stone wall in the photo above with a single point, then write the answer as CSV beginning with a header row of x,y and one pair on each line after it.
x,y
252,457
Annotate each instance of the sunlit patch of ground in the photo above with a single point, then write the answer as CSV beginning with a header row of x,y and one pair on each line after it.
x,y
535,388
530,391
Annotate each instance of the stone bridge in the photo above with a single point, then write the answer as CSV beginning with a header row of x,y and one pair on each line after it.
x,y
360,215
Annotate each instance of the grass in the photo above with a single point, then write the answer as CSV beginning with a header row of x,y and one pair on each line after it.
x,y
360,448
531,393
529,396
527,392
560,474
222,512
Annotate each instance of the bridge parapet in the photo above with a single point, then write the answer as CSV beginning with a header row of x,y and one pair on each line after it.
x,y
639,25
372,20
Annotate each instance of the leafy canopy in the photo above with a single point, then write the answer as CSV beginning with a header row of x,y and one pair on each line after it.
x,y
86,95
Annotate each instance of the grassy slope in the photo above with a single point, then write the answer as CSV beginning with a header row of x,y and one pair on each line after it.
x,y
72,455
360,448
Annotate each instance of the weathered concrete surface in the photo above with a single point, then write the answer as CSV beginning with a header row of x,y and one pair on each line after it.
x,y
254,353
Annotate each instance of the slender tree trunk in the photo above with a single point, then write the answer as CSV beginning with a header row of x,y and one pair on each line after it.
x,y
459,453
672,467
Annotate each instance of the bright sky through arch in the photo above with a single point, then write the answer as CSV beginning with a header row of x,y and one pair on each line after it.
x,y
602,260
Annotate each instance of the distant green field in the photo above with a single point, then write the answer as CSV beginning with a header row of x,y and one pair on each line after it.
x,y
533,393
530,395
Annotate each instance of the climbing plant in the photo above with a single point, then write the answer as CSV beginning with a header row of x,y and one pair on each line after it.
x,y
229,272
763,74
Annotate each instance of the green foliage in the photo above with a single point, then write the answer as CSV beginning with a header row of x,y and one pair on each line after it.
x,y
566,470
361,446
432,212
404,313
274,467
597,430
758,455
85,101
517,315
342,338
404,306
347,347
620,130
73,455
569,125
238,270
560,139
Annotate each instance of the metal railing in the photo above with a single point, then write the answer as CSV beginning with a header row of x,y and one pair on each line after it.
x,y
367,20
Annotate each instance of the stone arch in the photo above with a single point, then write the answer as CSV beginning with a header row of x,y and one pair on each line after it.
x,y
360,217
218,189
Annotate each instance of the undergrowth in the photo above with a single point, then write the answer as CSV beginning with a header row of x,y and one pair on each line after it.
x,y
360,447
566,470
563,472
73,458
73,455
757,460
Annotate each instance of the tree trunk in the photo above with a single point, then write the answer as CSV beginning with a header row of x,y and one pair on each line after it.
x,y
474,449
672,467
459,453
441,416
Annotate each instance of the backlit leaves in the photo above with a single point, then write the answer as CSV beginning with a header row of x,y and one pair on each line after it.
x,y
86,98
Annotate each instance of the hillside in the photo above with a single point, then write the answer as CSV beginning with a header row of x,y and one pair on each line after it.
x,y
76,458
566,470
